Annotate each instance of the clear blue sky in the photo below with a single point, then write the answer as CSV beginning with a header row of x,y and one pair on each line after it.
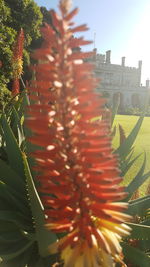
x,y
122,26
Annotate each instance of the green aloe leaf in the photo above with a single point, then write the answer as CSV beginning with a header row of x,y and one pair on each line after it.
x,y
138,180
139,231
115,109
9,197
125,148
15,236
12,251
13,151
17,127
146,222
25,257
144,244
135,256
44,237
126,165
11,237
138,206
20,261
24,101
22,222
15,195
11,178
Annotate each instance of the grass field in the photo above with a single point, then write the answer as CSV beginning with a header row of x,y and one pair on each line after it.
x,y
141,144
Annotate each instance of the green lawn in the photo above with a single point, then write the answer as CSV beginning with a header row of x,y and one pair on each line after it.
x,y
141,144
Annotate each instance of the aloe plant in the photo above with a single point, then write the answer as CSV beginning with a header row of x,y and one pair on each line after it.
x,y
24,239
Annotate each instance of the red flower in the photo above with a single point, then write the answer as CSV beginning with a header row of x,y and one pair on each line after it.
x,y
78,173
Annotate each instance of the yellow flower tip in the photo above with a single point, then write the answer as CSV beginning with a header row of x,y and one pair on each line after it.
x,y
82,255
122,230
106,260
119,259
79,257
105,247
17,66
122,217
118,228
15,98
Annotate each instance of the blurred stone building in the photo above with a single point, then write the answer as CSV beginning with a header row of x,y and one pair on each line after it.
x,y
120,80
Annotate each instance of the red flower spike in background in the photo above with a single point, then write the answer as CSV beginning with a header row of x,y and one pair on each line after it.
x,y
17,63
78,174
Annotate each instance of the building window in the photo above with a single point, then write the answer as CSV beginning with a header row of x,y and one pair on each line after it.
x,y
108,78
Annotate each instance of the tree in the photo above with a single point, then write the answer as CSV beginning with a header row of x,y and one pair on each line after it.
x,y
46,15
7,37
47,18
26,15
